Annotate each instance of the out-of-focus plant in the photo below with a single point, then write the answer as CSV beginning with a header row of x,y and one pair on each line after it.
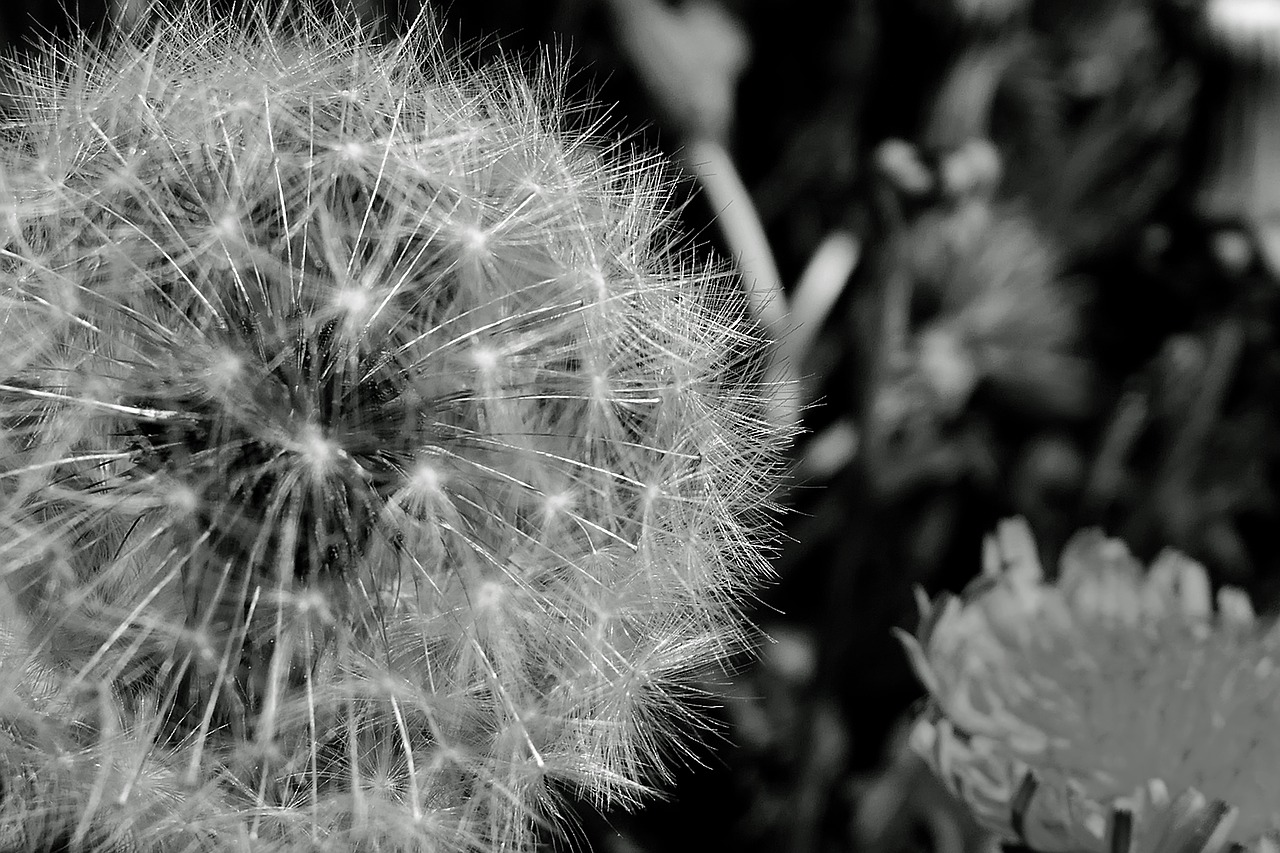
x,y
689,59
1185,456
1092,117
1239,184
377,462
968,294
1113,708
903,806
992,33
1001,314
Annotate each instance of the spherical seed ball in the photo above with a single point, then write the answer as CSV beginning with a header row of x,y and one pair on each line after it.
x,y
377,457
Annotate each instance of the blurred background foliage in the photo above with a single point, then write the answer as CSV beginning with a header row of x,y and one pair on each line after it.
x,y
1031,247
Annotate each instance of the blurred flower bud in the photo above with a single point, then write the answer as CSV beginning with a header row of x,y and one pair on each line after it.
x,y
1233,250
689,58
973,169
899,161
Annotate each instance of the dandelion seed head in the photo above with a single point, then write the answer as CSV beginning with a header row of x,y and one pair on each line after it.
x,y
329,455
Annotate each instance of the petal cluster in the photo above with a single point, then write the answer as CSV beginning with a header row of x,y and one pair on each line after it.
x,y
1114,708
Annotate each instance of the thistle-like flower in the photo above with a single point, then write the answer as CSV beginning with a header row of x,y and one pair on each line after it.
x,y
1112,710
376,460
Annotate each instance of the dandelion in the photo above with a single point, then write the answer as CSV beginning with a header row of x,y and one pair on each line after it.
x,y
1115,709
377,464
1003,315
